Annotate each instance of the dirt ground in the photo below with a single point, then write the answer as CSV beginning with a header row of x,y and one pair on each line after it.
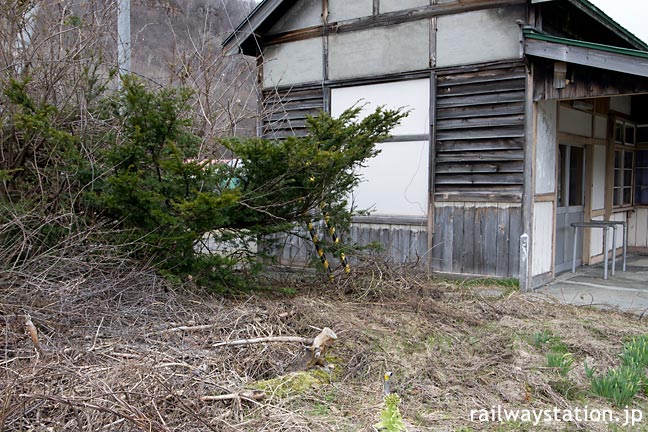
x,y
130,353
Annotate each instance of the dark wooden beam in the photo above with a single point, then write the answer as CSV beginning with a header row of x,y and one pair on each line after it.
x,y
584,82
588,57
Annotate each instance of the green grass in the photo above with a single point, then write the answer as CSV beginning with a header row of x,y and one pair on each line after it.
x,y
562,362
618,385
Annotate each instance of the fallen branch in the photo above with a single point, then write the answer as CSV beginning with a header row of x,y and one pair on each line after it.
x,y
252,341
253,396
183,329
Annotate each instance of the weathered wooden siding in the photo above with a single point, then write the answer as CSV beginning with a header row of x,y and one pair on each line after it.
x,y
479,36
480,134
546,141
474,238
284,111
293,63
400,242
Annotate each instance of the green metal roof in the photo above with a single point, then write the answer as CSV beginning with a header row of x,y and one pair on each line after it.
x,y
533,34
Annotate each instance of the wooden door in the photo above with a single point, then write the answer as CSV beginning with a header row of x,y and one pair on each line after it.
x,y
570,205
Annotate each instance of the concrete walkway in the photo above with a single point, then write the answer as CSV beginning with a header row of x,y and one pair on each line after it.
x,y
627,291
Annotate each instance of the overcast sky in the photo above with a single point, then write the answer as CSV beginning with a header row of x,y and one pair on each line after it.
x,y
631,14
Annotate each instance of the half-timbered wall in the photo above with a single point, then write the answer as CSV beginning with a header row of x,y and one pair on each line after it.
x,y
479,36
379,51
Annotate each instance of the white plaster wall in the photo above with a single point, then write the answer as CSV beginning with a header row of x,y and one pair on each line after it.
x,y
622,104
596,243
638,228
598,178
305,13
293,63
396,181
596,239
545,181
398,48
340,10
575,122
479,36
413,95
543,216
396,5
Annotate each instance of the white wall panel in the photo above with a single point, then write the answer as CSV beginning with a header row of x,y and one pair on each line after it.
x,y
396,181
596,239
413,95
379,51
622,104
598,178
600,127
545,181
575,122
293,63
480,36
638,228
305,13
340,10
396,5
543,216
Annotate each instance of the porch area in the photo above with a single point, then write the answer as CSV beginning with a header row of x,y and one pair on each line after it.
x,y
626,290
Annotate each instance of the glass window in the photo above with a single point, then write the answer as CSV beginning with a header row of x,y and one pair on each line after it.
x,y
641,190
576,171
630,134
623,176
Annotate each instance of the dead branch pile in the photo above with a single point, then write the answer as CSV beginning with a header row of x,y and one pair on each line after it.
x,y
121,351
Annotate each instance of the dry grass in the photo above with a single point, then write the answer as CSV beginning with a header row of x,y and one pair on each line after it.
x,y
125,352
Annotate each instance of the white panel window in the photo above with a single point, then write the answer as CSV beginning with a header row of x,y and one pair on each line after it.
x,y
413,95
575,122
395,182
543,216
598,179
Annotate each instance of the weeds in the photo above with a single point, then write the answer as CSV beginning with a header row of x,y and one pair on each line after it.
x,y
561,362
619,385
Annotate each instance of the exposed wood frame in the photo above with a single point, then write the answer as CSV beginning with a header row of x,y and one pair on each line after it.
x,y
545,197
526,274
391,220
432,167
388,19
587,57
569,138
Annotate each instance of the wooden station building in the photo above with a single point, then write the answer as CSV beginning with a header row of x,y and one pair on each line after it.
x,y
526,116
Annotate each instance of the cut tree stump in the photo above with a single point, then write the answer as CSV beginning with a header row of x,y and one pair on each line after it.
x,y
315,354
